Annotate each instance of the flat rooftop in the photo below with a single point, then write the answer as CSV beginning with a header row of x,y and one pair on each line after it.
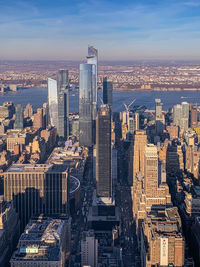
x,y
40,241
36,168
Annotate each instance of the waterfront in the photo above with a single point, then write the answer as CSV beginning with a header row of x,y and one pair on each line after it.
x,y
37,97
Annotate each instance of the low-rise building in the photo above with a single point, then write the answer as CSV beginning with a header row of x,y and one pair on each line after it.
x,y
43,243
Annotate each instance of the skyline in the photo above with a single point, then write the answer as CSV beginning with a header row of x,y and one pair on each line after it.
x,y
132,30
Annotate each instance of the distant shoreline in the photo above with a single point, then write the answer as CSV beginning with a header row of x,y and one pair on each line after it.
x,y
157,90
116,89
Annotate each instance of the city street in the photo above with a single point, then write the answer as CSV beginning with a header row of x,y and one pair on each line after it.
x,y
129,239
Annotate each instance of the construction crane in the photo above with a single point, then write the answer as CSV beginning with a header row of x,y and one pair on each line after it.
x,y
127,107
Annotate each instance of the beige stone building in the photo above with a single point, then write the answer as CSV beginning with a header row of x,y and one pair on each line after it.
x,y
162,243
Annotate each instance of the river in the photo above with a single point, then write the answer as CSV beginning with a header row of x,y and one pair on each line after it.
x,y
38,96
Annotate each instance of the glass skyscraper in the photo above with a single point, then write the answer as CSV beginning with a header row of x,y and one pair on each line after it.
x,y
62,116
63,107
85,104
107,92
62,79
53,102
92,58
58,102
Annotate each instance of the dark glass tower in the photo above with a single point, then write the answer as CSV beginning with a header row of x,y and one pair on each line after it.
x,y
103,152
107,92
85,105
19,121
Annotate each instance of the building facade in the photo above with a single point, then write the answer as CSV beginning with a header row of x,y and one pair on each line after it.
x,y
86,83
107,92
19,120
36,189
89,249
103,153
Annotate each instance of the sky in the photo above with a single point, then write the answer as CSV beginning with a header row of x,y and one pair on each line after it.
x,y
119,29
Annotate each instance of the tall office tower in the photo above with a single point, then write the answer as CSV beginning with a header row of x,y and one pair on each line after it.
x,y
36,189
133,122
92,58
193,117
63,113
57,103
103,153
181,115
19,121
85,105
107,92
185,116
185,109
45,115
53,102
62,80
192,161
38,119
177,114
140,141
159,117
89,249
158,109
28,112
151,170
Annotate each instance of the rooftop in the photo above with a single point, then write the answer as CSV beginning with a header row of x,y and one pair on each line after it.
x,y
36,168
41,240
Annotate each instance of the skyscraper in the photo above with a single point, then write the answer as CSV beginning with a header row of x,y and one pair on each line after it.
x,y
45,114
63,106
38,119
193,116
62,116
53,102
92,58
140,141
107,92
89,249
62,79
151,170
85,104
185,109
28,112
19,121
103,153
181,115
58,100
159,117
133,122
158,109
37,189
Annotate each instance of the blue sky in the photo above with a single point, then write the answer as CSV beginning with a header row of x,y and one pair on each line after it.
x,y
121,30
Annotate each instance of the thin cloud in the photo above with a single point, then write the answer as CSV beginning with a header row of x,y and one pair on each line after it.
x,y
124,25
